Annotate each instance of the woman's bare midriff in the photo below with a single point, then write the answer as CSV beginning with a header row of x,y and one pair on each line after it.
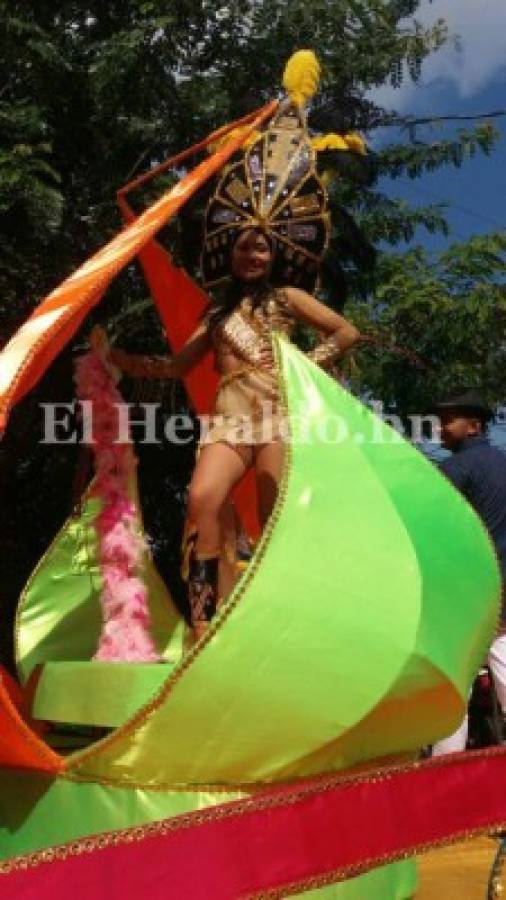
x,y
227,362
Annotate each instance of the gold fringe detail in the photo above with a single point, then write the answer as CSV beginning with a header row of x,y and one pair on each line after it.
x,y
301,76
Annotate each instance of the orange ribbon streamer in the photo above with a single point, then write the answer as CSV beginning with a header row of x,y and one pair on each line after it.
x,y
35,345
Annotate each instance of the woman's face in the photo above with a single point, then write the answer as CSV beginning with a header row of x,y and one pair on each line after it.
x,y
251,256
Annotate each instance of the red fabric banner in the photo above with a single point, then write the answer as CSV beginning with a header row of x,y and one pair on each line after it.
x,y
283,841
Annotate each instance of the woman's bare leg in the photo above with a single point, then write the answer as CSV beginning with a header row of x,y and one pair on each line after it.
x,y
268,468
219,468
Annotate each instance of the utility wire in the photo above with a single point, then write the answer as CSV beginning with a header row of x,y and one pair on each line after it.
x,y
464,209
409,121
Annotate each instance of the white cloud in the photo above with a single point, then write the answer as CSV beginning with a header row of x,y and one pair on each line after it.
x,y
480,26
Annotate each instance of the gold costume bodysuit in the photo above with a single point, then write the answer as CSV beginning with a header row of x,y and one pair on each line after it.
x,y
248,409
247,406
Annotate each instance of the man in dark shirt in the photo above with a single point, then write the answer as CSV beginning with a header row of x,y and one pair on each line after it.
x,y
478,471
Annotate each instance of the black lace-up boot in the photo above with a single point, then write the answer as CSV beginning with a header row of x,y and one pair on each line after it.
x,y
203,591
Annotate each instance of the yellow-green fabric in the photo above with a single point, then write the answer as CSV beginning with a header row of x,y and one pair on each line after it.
x,y
103,694
353,634
355,631
39,812
59,615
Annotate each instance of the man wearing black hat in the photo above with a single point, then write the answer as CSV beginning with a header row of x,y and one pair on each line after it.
x,y
478,471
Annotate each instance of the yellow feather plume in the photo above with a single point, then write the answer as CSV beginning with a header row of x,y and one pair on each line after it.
x,y
349,141
301,76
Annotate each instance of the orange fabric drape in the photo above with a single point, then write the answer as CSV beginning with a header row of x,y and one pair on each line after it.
x,y
19,745
35,345
29,352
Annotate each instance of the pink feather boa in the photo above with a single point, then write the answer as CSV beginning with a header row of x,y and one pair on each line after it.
x,y
125,634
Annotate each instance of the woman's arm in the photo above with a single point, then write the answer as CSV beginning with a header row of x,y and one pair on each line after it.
x,y
341,334
140,366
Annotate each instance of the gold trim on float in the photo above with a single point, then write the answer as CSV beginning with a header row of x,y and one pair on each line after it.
x,y
392,764
171,788
496,882
76,760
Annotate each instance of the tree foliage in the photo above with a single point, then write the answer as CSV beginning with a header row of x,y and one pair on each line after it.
x,y
451,309
93,92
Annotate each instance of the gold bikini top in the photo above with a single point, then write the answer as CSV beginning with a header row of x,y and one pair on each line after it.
x,y
247,331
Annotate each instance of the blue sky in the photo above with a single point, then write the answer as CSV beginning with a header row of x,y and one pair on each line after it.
x,y
467,76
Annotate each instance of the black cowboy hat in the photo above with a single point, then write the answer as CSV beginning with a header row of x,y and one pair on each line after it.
x,y
468,401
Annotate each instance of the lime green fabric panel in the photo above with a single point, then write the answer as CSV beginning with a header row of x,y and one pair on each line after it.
x,y
461,582
425,704
59,614
37,812
338,600
265,691
97,694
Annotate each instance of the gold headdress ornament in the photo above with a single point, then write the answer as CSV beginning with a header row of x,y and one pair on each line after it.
x,y
275,187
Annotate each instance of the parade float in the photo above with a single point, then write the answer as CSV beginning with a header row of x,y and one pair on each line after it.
x,y
278,754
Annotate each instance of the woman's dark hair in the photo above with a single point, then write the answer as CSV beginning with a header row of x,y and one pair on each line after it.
x,y
230,296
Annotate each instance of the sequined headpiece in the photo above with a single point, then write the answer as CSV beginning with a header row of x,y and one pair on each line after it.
x,y
274,187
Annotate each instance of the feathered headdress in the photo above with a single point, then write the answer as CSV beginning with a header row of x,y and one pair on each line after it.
x,y
275,186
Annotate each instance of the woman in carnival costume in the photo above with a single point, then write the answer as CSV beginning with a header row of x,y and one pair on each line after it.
x,y
356,675
266,228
